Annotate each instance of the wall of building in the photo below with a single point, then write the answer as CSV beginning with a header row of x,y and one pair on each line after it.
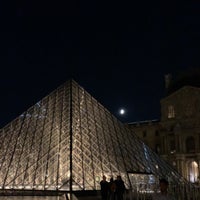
x,y
149,132
176,137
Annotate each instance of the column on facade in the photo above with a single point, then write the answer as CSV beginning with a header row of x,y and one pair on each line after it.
x,y
198,162
166,145
181,145
177,142
163,149
178,164
198,143
181,167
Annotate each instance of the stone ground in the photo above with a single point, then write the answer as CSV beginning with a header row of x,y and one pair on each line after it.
x,y
90,198
87,195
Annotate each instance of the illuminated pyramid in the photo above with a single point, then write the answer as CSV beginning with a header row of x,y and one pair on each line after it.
x,y
68,140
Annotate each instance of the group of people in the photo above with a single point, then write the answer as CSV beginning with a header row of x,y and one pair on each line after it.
x,y
113,190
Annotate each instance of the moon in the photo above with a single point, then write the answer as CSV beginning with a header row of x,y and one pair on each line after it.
x,y
122,111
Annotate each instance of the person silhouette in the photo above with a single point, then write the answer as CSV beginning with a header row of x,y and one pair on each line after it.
x,y
120,188
112,189
163,194
104,188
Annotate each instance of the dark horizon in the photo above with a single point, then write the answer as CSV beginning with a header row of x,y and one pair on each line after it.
x,y
35,93
118,52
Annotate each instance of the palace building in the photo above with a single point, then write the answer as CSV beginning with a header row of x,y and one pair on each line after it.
x,y
176,135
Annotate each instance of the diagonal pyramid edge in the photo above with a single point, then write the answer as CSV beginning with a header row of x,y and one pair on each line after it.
x,y
68,136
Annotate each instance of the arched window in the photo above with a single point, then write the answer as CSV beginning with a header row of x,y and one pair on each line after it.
x,y
190,144
171,112
193,172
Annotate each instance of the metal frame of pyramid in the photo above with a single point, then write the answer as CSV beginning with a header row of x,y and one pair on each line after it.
x,y
68,140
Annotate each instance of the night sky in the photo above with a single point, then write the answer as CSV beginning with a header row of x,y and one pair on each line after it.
x,y
118,51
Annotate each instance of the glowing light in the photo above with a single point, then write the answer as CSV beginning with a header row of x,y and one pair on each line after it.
x,y
122,111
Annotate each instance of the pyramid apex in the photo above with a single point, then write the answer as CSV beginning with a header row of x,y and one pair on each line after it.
x,y
68,140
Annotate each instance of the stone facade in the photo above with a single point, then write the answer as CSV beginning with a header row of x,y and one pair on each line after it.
x,y
149,132
176,136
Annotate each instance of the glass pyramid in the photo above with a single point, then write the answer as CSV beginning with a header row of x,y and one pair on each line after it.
x,y
68,140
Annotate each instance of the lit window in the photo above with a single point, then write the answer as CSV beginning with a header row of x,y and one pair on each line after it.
x,y
171,112
193,172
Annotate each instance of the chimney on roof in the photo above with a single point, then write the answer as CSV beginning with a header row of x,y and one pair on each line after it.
x,y
168,79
